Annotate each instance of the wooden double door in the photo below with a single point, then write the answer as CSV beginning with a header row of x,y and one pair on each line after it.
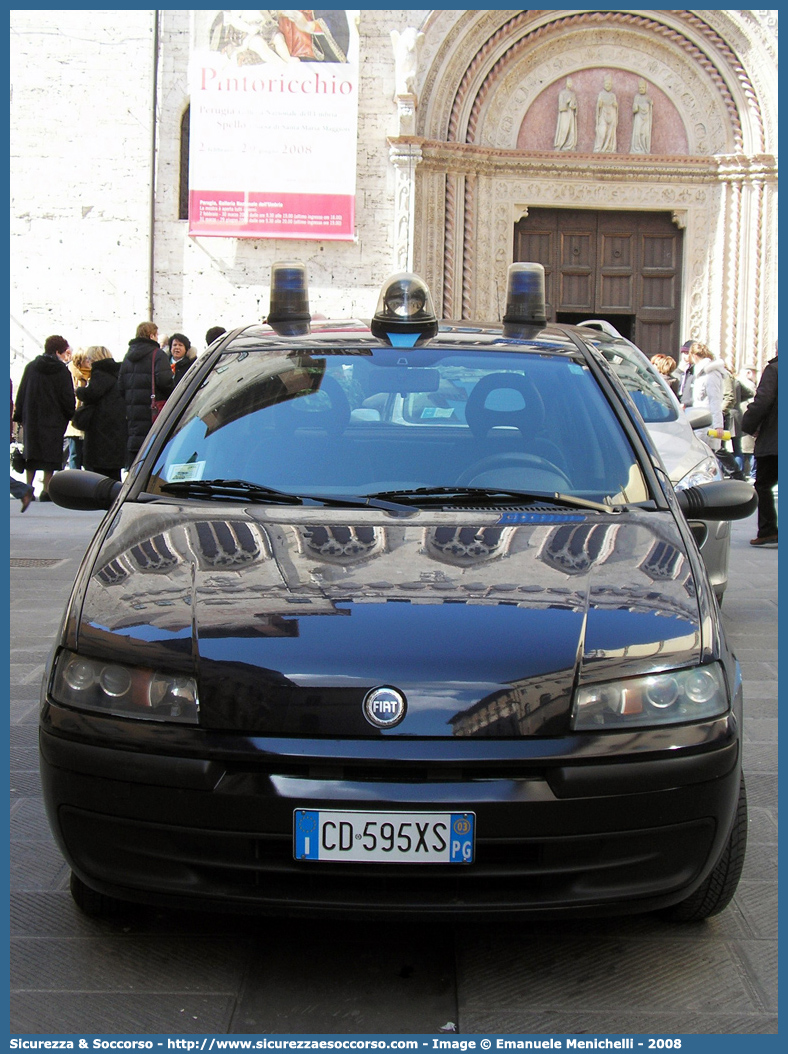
x,y
624,267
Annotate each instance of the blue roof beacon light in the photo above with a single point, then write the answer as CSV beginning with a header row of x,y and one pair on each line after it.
x,y
405,313
525,300
288,312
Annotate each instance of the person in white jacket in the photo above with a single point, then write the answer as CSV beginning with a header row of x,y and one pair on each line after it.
x,y
708,385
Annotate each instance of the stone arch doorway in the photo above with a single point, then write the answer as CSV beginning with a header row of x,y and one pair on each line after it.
x,y
624,267
484,155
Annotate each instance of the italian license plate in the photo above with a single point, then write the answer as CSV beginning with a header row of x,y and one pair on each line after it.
x,y
384,837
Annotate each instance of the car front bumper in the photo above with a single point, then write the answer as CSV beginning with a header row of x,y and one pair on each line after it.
x,y
555,834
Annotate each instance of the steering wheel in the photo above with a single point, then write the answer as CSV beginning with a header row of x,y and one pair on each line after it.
x,y
333,418
505,470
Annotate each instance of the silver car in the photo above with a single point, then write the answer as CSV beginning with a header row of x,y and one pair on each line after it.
x,y
686,457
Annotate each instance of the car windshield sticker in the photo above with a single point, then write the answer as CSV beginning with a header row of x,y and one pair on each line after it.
x,y
437,411
188,471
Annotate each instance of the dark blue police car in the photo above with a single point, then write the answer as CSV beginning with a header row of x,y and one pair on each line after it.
x,y
399,616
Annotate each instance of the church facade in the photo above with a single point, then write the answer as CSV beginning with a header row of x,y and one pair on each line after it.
x,y
634,154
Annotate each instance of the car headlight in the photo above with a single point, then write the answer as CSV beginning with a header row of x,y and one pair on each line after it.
x,y
658,699
706,471
126,691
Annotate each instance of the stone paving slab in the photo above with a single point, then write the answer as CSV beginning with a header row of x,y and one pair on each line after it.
x,y
760,757
129,963
760,730
122,1013
757,902
402,984
617,1022
571,973
36,865
763,825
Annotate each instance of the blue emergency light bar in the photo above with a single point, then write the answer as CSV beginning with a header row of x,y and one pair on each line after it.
x,y
525,299
288,311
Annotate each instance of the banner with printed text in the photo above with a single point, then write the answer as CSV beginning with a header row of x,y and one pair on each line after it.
x,y
273,124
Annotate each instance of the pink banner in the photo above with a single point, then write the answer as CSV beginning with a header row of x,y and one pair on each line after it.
x,y
274,104
268,215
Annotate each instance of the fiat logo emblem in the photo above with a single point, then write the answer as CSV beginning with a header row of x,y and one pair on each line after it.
x,y
384,707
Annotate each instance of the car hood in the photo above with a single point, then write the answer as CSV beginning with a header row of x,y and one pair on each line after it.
x,y
485,621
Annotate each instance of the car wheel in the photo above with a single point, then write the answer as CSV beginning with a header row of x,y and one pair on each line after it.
x,y
97,905
716,893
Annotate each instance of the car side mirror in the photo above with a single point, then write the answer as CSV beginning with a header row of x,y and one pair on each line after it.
x,y
82,490
698,417
727,499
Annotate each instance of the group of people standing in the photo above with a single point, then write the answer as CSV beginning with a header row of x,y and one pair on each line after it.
x,y
104,408
748,413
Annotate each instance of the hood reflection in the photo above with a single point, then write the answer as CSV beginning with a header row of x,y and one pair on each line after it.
x,y
482,625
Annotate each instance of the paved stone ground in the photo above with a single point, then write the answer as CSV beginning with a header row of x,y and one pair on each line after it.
x,y
175,973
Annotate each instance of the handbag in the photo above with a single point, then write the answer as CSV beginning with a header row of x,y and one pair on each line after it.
x,y
156,405
18,463
83,416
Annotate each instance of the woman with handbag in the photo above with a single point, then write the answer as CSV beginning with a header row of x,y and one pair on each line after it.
x,y
103,412
145,380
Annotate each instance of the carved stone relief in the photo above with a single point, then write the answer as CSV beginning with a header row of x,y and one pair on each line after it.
x,y
641,110
407,46
566,125
698,103
752,34
605,139
642,117
462,43
459,37
405,158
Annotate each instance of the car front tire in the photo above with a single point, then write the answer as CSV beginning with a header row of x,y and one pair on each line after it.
x,y
716,893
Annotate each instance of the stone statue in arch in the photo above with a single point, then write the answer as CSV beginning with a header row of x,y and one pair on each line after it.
x,y
606,119
642,110
407,46
566,126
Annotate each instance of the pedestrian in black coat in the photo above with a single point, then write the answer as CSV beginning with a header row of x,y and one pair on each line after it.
x,y
44,405
145,366
760,420
104,449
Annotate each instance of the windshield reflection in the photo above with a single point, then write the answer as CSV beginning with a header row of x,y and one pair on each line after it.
x,y
375,420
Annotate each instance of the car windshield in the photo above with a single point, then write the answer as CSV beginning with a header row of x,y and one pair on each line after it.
x,y
372,421
649,393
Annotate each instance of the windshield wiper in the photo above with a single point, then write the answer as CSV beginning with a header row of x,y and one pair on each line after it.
x,y
243,490
477,495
